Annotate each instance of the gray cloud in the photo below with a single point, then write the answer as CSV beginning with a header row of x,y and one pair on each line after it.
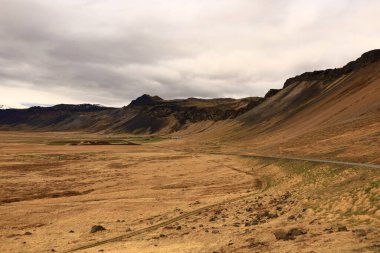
x,y
112,51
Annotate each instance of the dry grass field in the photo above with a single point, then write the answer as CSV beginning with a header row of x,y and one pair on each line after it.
x,y
162,197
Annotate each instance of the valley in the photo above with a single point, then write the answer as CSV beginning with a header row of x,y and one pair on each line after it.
x,y
217,126
150,198
294,171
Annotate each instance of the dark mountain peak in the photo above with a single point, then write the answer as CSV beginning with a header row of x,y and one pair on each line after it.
x,y
146,100
331,74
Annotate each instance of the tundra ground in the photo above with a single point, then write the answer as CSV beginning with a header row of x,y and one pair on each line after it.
x,y
151,198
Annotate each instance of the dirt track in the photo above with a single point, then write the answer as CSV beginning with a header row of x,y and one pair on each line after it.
x,y
162,224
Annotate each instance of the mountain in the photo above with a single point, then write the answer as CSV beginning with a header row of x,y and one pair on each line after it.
x,y
62,117
333,113
146,114
326,113
145,100
173,115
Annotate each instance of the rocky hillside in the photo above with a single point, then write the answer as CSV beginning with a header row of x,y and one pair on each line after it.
x,y
156,114
146,114
329,75
333,114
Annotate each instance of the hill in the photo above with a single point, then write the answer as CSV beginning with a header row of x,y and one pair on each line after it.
x,y
144,115
331,114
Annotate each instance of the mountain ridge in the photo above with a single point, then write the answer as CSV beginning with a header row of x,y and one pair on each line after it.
x,y
153,115
331,74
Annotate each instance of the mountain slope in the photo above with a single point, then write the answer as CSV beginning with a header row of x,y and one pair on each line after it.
x,y
144,115
332,113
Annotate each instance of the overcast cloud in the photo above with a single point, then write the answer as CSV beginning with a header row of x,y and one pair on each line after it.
x,y
111,51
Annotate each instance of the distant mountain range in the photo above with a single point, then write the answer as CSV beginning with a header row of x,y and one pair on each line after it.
x,y
146,114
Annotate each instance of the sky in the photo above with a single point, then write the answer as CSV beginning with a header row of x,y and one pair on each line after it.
x,y
112,51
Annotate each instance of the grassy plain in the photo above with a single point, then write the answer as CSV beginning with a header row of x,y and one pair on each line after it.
x,y
165,196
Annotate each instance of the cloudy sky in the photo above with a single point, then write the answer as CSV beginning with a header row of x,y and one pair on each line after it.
x,y
111,51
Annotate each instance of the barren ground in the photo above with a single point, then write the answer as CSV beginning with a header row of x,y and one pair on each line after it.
x,y
156,197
